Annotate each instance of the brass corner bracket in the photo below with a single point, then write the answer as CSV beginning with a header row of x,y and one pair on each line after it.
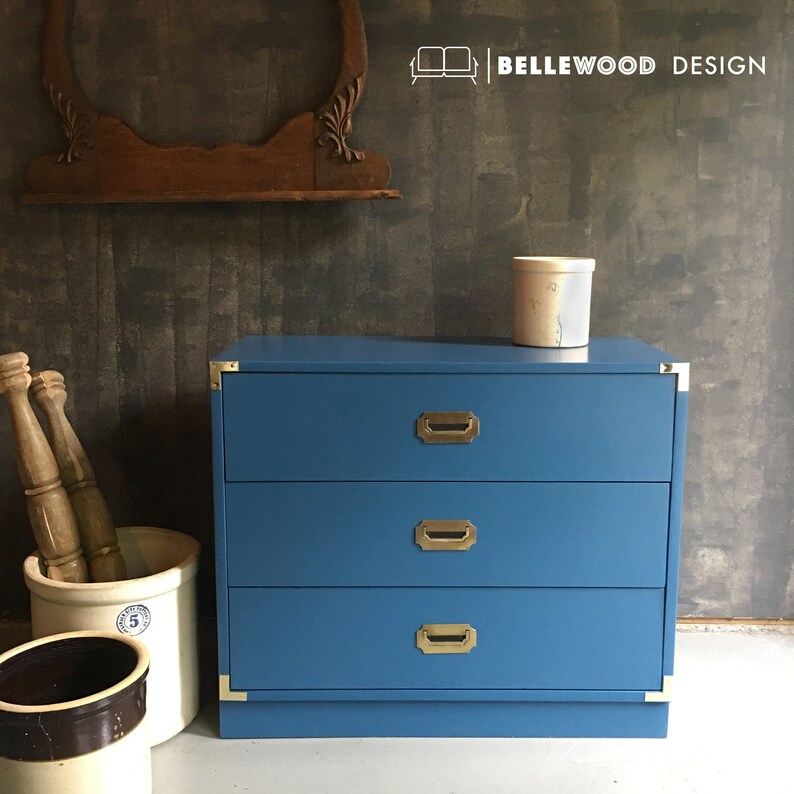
x,y
680,369
666,693
216,368
225,693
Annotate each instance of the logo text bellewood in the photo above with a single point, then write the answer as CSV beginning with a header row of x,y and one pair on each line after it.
x,y
583,65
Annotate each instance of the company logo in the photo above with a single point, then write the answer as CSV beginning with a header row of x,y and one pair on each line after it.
x,y
460,62
444,62
134,620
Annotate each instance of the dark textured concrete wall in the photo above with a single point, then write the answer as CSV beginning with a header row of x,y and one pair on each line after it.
x,y
680,187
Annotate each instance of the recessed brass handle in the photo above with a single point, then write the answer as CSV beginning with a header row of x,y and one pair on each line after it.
x,y
448,427
446,638
445,535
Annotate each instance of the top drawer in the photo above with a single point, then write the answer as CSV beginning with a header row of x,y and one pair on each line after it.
x,y
282,427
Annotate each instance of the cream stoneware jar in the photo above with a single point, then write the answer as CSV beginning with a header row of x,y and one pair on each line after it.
x,y
156,605
552,301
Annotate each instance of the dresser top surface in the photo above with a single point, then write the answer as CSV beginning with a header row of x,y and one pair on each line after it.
x,y
461,355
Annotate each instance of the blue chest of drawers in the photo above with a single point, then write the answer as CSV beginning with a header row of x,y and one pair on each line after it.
x,y
449,538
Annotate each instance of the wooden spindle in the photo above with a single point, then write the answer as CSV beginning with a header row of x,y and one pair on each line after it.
x,y
94,520
51,514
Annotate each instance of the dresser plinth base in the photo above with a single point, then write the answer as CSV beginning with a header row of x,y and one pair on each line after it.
x,y
274,720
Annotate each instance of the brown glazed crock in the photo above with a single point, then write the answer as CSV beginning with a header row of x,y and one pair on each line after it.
x,y
70,695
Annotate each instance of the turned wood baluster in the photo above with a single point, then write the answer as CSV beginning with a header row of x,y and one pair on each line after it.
x,y
51,514
97,529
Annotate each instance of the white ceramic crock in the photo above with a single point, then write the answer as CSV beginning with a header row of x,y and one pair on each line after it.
x,y
552,301
157,605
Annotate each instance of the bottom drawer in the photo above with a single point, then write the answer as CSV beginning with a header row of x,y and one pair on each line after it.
x,y
365,638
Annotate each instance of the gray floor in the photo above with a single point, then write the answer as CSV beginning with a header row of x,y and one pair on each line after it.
x,y
731,730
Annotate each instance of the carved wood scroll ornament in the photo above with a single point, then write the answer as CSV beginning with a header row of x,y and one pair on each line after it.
x,y
104,160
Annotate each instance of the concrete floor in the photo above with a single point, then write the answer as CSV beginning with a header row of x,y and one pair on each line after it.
x,y
731,730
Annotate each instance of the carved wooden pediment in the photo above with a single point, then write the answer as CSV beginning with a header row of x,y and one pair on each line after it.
x,y
104,160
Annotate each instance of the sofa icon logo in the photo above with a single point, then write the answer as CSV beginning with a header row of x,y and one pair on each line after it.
x,y
444,62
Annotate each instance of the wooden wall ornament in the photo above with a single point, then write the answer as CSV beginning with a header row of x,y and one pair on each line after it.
x,y
104,161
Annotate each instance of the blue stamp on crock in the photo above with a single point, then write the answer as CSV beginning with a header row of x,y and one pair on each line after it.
x,y
134,620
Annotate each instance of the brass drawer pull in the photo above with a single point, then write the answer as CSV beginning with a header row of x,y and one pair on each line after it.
x,y
450,427
445,535
446,638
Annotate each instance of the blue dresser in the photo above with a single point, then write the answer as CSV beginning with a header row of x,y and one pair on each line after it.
x,y
446,538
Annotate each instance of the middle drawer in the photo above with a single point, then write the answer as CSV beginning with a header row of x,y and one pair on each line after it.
x,y
525,534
